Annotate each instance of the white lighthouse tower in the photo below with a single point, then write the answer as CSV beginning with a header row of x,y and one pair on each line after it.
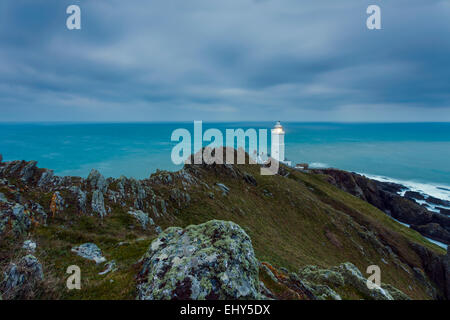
x,y
277,147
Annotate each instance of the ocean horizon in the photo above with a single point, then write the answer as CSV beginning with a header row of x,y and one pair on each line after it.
x,y
414,154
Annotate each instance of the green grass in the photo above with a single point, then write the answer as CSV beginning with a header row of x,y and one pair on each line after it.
x,y
306,221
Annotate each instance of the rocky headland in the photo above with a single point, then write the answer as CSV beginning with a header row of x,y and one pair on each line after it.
x,y
215,232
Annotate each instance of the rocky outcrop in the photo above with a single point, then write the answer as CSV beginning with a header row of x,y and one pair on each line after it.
x,y
18,215
181,199
446,267
28,171
97,181
46,178
142,217
385,197
98,203
326,283
434,231
14,217
214,260
354,277
21,279
89,251
81,198
316,283
436,268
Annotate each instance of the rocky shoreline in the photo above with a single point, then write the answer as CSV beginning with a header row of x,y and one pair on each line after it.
x,y
397,201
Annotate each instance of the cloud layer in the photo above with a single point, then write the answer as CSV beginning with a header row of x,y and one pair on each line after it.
x,y
224,60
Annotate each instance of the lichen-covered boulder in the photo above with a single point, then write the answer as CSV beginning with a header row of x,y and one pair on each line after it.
x,y
21,279
142,218
213,260
353,277
14,217
315,274
327,283
90,251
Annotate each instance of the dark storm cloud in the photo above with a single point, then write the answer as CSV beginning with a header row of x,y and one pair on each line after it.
x,y
225,60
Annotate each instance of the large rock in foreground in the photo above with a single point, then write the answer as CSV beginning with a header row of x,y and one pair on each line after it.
x,y
21,280
214,260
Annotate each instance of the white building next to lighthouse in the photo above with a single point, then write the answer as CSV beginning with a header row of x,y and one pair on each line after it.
x,y
277,146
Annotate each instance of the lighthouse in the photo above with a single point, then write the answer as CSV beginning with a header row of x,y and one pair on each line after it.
x,y
277,147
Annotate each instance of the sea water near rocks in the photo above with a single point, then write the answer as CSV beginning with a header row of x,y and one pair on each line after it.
x,y
414,154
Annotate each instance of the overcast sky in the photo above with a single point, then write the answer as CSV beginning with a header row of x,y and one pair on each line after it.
x,y
224,60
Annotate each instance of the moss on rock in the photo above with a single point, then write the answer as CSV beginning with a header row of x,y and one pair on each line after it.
x,y
213,260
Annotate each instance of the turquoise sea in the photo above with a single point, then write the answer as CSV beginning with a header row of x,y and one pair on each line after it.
x,y
415,153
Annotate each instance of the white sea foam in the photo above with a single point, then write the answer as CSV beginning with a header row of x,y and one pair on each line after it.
x,y
435,190
440,244
439,191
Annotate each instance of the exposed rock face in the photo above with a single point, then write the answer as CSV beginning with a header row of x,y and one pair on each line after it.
x,y
46,178
414,195
214,260
210,261
89,251
384,196
434,231
320,281
316,283
17,217
139,194
437,268
98,203
446,265
182,199
97,181
21,279
81,198
28,171
142,218
439,202
353,276
14,217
